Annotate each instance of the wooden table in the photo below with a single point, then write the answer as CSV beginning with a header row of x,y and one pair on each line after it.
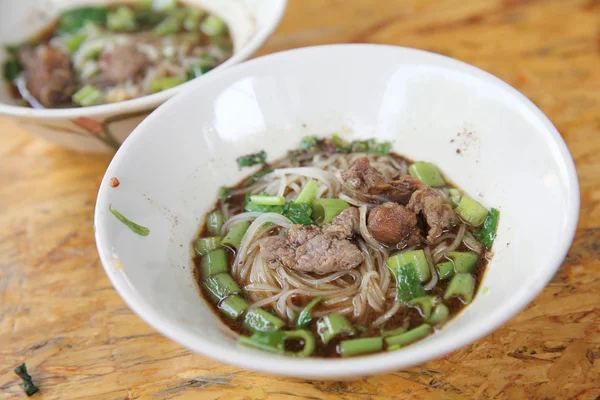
x,y
61,315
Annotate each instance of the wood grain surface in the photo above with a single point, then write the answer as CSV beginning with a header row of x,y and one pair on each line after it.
x,y
60,314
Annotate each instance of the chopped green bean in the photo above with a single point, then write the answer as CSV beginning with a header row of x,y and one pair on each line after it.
x,y
424,304
205,245
268,200
122,19
408,337
445,269
427,173
394,332
74,19
454,197
214,222
87,96
355,347
325,210
306,337
462,286
471,211
308,193
192,20
308,142
75,40
487,233
214,262
161,84
463,261
360,328
440,314
416,258
258,319
233,306
213,26
235,235
333,325
305,316
220,286
274,342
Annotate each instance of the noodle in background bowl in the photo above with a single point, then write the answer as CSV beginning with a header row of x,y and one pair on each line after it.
x,y
104,127
429,106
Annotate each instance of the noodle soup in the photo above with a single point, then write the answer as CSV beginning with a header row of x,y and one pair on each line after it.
x,y
341,249
102,54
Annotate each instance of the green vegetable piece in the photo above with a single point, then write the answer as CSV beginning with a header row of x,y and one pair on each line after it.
x,y
356,347
487,233
308,142
408,337
213,26
454,197
28,386
381,148
11,69
122,19
87,96
268,200
258,319
298,213
333,325
407,281
360,328
416,258
340,144
220,286
471,211
463,261
440,314
143,4
207,64
161,84
224,192
274,342
233,306
305,316
192,19
140,230
235,235
214,262
462,286
74,19
205,245
445,269
394,332
254,178
163,5
325,210
308,193
73,42
252,159
214,222
427,173
424,304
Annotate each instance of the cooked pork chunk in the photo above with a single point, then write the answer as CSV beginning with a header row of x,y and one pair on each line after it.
x,y
392,224
439,216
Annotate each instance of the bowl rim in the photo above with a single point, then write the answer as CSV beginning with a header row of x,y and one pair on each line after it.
x,y
155,99
318,368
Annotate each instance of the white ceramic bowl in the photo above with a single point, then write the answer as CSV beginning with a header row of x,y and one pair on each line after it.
x,y
428,105
103,128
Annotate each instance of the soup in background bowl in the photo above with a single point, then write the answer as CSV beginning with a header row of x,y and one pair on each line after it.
x,y
84,73
485,138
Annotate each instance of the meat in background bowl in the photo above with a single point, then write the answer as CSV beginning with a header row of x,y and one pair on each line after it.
x,y
104,127
429,106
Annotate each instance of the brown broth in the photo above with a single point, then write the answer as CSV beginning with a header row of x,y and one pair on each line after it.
x,y
331,350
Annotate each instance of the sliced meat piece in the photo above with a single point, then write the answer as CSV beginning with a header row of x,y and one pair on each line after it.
x,y
361,176
48,75
122,62
309,249
346,224
439,216
392,224
398,190
366,179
